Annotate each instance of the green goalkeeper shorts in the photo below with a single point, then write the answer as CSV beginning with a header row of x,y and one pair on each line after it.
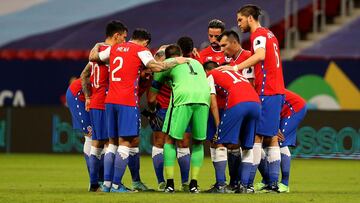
x,y
180,117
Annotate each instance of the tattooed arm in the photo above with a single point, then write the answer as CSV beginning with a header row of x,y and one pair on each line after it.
x,y
85,83
94,53
156,66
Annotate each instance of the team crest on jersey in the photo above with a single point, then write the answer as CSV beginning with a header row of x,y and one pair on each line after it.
x,y
218,58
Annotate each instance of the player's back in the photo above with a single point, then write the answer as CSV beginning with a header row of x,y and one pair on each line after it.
x,y
189,83
234,87
268,73
124,73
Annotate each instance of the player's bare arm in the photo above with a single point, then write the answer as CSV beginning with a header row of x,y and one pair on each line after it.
x,y
85,84
156,66
214,109
258,56
94,53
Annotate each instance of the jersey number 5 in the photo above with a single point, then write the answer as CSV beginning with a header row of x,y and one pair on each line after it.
x,y
121,61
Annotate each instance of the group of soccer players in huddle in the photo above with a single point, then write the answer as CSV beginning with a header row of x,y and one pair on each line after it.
x,y
231,97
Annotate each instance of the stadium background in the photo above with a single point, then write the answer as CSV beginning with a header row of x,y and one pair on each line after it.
x,y
43,43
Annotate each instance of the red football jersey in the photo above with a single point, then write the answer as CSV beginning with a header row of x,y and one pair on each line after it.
x,y
163,96
292,103
268,73
76,88
125,63
209,54
232,86
247,72
99,83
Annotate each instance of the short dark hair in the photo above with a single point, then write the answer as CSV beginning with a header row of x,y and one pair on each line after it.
x,y
215,23
186,45
114,27
141,34
250,10
229,34
172,50
209,65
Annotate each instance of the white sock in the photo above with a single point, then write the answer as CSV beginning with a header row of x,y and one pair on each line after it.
x,y
257,153
212,154
87,145
220,154
111,149
286,151
123,151
182,152
247,156
273,154
156,150
96,152
134,150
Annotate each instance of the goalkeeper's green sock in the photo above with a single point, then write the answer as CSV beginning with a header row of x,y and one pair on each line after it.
x,y
197,159
169,160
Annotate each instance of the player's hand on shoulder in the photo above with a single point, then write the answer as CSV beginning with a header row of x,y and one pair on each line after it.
x,y
181,60
195,53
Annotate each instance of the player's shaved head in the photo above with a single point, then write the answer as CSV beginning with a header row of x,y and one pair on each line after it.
x,y
115,27
217,24
187,45
209,65
141,34
173,50
231,35
250,10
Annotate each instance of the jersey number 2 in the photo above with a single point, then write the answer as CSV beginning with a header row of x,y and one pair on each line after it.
x,y
121,61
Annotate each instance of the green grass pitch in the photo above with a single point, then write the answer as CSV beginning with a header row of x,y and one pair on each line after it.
x,y
63,178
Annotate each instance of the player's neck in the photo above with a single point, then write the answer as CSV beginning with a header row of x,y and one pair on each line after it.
x,y
236,56
256,26
135,42
109,42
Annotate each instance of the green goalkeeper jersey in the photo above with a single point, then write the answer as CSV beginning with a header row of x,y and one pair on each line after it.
x,y
188,82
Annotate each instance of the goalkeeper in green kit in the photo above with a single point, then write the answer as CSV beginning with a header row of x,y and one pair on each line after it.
x,y
189,106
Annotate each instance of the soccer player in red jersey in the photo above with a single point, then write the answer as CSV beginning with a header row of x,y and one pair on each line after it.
x,y
269,84
213,51
230,44
122,104
96,76
242,110
292,113
75,100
